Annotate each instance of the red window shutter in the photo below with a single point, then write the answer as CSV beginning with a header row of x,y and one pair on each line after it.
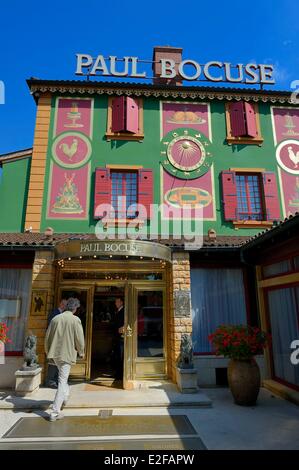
x,y
132,115
250,119
237,119
272,205
102,190
230,199
145,189
118,114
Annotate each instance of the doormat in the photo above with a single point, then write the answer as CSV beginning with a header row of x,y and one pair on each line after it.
x,y
102,386
94,426
162,444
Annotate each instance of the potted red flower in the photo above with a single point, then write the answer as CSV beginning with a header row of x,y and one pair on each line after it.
x,y
3,333
241,343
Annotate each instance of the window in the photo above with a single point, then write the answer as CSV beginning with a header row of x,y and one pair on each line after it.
x,y
123,194
242,123
15,284
218,297
250,198
275,269
284,326
125,118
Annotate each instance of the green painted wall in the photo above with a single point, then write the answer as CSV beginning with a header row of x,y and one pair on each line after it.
x,y
13,195
147,154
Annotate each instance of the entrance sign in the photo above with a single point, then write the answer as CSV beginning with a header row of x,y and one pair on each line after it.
x,y
212,71
79,248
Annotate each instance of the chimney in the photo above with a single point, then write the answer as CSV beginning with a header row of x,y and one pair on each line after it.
x,y
166,52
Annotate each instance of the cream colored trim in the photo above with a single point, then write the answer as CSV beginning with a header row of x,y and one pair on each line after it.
x,y
279,280
248,170
263,317
251,223
179,92
282,390
124,167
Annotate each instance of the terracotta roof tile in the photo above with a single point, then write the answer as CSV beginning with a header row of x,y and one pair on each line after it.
x,y
40,239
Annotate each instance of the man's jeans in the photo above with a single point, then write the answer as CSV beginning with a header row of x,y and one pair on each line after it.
x,y
63,390
52,375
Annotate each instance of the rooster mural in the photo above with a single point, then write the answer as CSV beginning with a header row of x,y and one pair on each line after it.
x,y
69,150
294,157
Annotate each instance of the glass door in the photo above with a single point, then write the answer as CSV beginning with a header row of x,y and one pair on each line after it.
x,y
145,333
81,370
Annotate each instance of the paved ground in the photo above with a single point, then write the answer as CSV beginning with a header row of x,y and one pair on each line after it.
x,y
272,424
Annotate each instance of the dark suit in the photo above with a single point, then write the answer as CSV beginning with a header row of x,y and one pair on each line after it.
x,y
119,346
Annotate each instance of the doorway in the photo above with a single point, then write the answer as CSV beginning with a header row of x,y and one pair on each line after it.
x,y
106,357
143,287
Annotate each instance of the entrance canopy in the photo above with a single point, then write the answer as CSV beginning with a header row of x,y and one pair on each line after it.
x,y
132,248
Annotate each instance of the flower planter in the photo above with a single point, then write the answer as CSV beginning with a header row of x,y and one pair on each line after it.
x,y
244,381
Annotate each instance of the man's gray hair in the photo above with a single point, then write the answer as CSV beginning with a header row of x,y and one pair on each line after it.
x,y
72,304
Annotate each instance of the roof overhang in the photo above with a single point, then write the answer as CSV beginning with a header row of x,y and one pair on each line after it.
x,y
71,87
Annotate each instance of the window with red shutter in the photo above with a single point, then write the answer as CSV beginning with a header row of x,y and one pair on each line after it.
x,y
125,118
272,204
145,189
242,123
229,191
250,198
249,195
122,191
124,194
118,114
237,119
102,191
250,118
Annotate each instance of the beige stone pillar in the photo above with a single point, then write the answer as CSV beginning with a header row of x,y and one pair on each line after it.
x,y
180,321
43,281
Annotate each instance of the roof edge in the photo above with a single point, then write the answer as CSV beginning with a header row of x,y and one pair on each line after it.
x,y
101,87
18,155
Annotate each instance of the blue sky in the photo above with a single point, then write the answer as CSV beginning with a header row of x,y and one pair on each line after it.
x,y
42,41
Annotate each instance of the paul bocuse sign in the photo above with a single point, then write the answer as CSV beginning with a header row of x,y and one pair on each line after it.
x,y
188,69
135,248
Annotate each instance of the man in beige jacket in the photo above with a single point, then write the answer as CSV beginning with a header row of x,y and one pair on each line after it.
x,y
64,340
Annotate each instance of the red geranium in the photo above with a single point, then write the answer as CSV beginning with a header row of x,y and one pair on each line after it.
x,y
238,341
3,333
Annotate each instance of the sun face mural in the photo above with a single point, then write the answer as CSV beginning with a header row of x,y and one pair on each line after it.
x,y
188,153
186,159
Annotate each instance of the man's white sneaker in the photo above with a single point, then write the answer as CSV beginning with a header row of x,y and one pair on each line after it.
x,y
55,416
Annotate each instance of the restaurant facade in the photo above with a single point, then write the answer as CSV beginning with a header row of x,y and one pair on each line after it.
x,y
98,209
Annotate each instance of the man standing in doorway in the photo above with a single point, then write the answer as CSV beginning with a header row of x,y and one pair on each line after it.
x,y
119,324
52,374
64,340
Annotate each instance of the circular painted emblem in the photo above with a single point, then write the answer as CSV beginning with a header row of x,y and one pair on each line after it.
x,y
287,156
186,153
71,149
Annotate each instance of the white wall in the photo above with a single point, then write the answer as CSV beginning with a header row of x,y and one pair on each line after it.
x,y
206,365
7,371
